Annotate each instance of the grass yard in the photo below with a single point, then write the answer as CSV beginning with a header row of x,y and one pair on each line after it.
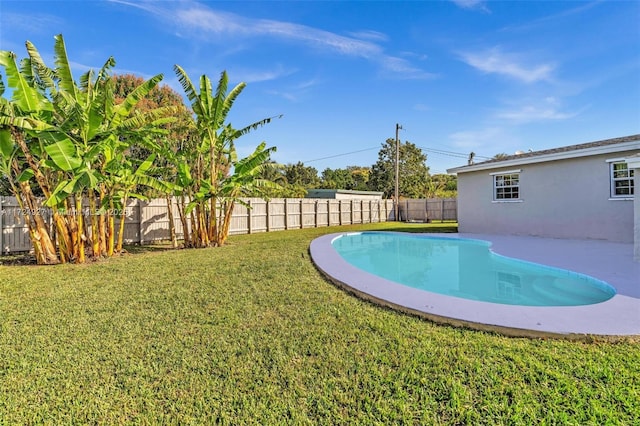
x,y
252,334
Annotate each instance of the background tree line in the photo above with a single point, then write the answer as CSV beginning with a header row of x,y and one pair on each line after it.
x,y
415,179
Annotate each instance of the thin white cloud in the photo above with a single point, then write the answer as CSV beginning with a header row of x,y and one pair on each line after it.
x,y
199,18
249,76
295,92
549,109
147,6
531,113
307,84
402,68
494,61
475,139
554,18
369,35
418,56
201,21
487,142
471,4
32,23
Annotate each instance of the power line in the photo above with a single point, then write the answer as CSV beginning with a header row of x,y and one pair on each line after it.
x,y
429,150
450,153
341,155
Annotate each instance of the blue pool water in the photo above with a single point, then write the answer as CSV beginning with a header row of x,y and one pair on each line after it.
x,y
467,268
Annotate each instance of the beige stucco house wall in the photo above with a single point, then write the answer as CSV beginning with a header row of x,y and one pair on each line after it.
x,y
562,193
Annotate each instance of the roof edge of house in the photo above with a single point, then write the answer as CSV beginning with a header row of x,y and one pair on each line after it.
x,y
626,143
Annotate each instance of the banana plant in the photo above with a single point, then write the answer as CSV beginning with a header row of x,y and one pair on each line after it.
x,y
212,154
69,128
245,181
27,113
123,179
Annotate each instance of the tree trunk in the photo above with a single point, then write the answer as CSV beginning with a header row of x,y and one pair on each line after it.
x,y
102,225
172,225
202,237
81,238
185,224
111,231
74,233
121,230
43,246
93,218
224,232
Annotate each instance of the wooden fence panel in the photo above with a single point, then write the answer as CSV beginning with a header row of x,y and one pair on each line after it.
x,y
14,232
241,220
309,213
132,220
259,215
292,213
322,213
427,210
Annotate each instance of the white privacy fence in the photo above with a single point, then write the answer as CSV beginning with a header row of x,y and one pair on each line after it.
x,y
148,221
426,210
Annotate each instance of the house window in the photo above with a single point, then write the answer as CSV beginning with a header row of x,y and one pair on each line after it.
x,y
621,180
506,186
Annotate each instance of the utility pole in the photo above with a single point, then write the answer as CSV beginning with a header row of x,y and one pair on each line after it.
x,y
397,189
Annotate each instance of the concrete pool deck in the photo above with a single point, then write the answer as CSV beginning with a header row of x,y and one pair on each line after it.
x,y
608,261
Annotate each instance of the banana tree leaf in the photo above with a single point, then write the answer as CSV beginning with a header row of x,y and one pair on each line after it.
x,y
63,153
61,192
25,175
89,178
63,69
124,109
192,205
184,175
189,89
96,118
146,165
151,182
6,143
139,196
99,148
45,74
27,98
25,123
71,186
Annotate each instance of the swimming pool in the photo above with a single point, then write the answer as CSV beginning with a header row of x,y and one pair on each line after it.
x,y
468,269
612,263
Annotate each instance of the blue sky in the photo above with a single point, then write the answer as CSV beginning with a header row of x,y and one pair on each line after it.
x,y
459,76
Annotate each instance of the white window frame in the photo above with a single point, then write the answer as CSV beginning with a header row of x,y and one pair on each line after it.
x,y
613,179
495,176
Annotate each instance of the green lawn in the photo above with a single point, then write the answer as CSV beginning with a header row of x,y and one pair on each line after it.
x,y
252,334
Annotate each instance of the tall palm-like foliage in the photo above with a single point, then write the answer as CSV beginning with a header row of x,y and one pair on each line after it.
x,y
243,182
27,113
215,178
71,139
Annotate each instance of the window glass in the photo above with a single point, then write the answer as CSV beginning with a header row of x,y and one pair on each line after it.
x,y
506,187
621,180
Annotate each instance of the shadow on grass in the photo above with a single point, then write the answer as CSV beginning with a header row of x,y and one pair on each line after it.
x,y
17,259
444,228
27,258
149,248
